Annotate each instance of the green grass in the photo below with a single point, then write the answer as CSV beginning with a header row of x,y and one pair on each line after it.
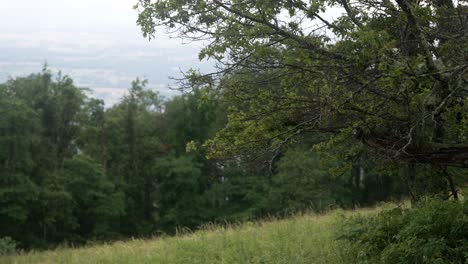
x,y
299,239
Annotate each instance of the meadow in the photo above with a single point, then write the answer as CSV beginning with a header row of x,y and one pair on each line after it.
x,y
307,238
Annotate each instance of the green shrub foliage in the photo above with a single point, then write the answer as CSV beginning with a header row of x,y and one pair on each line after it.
x,y
434,231
7,245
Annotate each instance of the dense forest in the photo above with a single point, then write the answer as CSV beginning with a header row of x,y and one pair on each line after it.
x,y
369,107
74,170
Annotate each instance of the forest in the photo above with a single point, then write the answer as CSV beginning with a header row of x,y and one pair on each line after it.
x,y
73,170
299,116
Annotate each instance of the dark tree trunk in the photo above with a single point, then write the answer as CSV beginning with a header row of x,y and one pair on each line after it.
x,y
453,188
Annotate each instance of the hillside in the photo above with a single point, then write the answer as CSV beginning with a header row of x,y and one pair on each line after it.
x,y
300,239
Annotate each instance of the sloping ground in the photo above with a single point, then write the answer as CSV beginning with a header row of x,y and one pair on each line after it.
x,y
300,239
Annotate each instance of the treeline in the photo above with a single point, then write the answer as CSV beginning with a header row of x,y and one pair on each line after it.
x,y
73,171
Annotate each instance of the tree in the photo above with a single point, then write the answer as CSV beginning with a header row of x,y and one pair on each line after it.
x,y
59,105
93,139
391,75
19,130
318,188
179,196
97,205
133,142
193,117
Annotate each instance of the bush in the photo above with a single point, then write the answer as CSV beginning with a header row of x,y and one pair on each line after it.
x,y
434,231
7,245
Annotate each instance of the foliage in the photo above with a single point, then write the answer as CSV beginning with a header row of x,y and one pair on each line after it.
x,y
19,129
180,190
97,205
238,195
319,190
7,246
49,193
434,231
390,75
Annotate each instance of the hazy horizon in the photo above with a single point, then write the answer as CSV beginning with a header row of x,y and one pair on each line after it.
x,y
97,43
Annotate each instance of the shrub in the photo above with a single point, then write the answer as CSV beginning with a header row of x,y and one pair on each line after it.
x,y
434,231
7,245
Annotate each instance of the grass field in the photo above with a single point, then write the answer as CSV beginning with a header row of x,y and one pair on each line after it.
x,y
299,239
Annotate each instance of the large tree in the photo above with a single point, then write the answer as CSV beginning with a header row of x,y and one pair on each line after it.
x,y
390,75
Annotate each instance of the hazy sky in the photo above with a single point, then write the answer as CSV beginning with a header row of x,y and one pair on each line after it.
x,y
96,42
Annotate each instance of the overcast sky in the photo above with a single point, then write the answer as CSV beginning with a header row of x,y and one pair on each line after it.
x,y
96,42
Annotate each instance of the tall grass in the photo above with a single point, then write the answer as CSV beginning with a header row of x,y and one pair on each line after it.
x,y
299,239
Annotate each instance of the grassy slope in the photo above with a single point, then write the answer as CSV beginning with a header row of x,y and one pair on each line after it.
x,y
300,239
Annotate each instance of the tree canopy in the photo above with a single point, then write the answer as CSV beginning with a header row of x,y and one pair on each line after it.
x,y
388,76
